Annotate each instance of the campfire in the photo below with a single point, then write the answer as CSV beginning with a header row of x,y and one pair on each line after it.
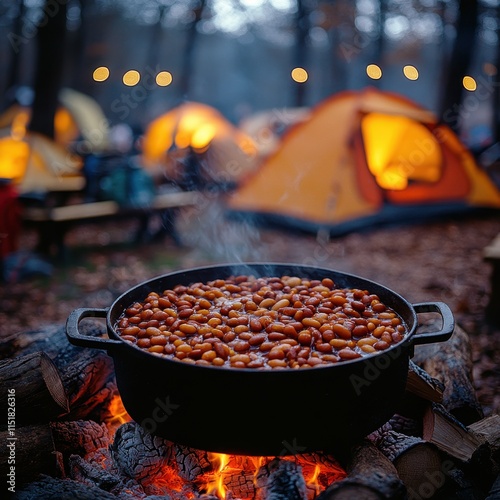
x,y
73,436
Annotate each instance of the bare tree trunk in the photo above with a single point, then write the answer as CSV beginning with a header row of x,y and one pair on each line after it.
x,y
461,56
496,95
187,66
15,46
302,28
49,69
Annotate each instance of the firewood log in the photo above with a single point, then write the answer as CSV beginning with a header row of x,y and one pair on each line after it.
x,y
448,433
451,363
421,384
28,451
371,476
87,374
414,458
31,390
488,430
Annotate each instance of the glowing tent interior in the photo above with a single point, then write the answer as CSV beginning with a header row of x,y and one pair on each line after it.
x,y
363,158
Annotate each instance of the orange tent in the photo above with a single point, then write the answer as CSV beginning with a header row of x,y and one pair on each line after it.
x,y
364,157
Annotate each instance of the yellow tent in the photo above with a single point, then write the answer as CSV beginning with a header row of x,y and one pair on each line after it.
x,y
79,116
364,156
226,152
36,163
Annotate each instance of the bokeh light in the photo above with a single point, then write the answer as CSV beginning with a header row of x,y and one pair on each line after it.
x,y
131,78
164,78
374,71
299,75
469,83
410,72
100,74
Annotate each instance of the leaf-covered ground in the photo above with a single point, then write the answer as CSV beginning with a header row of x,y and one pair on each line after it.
x,y
433,261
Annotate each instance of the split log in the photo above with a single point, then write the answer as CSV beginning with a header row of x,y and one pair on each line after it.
x,y
29,452
488,430
31,390
371,476
421,384
414,458
451,363
280,479
79,437
138,454
49,487
448,433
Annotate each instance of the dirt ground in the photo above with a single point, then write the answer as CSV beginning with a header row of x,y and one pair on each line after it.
x,y
436,261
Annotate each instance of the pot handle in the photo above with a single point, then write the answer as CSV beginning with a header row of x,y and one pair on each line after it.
x,y
446,329
76,338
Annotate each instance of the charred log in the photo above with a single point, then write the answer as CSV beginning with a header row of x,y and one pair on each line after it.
x,y
50,488
79,436
280,480
91,475
371,476
138,454
191,462
31,389
450,362
30,451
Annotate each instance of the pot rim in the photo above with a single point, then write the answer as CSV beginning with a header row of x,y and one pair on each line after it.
x,y
403,345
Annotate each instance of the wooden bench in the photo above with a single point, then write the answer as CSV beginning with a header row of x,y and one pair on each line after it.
x,y
491,254
52,223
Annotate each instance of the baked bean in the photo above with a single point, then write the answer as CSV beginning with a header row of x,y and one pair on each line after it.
x,y
342,331
277,363
158,340
275,336
304,337
348,354
129,338
261,323
156,348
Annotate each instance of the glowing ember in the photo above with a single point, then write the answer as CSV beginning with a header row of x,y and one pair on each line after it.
x,y
189,474
117,414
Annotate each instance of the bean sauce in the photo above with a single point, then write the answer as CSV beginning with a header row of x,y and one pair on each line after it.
x,y
261,323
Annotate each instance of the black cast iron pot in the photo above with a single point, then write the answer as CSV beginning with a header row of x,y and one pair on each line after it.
x,y
260,412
